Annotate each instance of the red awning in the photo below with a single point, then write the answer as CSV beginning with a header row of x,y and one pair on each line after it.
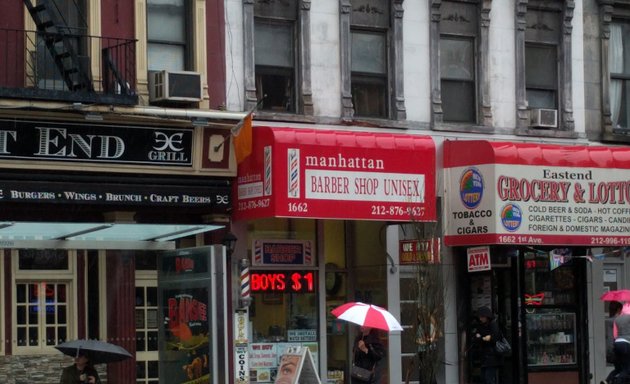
x,y
538,194
317,173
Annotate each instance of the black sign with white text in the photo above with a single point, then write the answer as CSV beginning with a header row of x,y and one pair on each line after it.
x,y
95,143
217,196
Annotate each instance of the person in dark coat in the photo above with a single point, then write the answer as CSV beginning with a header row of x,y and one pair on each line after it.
x,y
367,351
81,372
486,337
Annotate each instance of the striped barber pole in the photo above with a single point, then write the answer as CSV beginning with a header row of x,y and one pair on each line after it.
x,y
245,288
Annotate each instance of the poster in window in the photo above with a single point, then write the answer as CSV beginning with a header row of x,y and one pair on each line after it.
x,y
186,335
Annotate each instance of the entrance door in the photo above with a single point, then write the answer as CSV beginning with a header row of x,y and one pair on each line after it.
x,y
192,297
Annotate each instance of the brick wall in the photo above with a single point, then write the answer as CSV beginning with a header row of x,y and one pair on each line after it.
x,y
39,369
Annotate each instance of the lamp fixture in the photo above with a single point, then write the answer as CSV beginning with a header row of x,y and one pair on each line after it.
x,y
229,241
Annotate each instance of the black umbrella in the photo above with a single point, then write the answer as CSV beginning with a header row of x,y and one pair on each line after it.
x,y
99,352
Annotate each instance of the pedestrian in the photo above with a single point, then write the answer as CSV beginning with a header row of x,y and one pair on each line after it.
x,y
367,351
614,309
426,339
621,347
485,337
81,372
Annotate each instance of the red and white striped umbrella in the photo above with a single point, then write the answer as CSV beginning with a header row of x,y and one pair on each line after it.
x,y
367,315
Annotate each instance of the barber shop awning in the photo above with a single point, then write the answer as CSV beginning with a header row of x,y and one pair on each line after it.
x,y
95,235
536,194
317,173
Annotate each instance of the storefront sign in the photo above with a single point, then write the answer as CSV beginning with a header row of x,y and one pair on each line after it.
x,y
283,281
516,193
337,175
302,335
419,251
282,252
114,194
478,259
95,143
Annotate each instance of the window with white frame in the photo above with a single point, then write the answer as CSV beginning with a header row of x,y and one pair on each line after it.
x,y
168,46
146,314
42,300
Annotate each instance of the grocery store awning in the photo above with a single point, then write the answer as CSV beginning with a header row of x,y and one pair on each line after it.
x,y
536,194
62,235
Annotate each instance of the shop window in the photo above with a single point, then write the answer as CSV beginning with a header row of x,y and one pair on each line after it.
x,y
146,317
41,314
50,259
168,42
277,72
543,68
275,66
42,301
146,335
371,74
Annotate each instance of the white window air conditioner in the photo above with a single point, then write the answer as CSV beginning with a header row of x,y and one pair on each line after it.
x,y
176,86
543,118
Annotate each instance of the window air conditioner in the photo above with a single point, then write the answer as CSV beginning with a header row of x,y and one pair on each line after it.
x,y
180,86
543,118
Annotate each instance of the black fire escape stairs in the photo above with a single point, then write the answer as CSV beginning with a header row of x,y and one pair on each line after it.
x,y
58,38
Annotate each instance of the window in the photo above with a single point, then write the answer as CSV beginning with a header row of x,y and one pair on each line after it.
x,y
167,35
619,66
371,74
275,66
69,18
41,314
457,69
543,68
43,299
457,61
277,75
541,59
146,318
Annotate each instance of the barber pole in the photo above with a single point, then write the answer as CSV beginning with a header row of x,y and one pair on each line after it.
x,y
245,288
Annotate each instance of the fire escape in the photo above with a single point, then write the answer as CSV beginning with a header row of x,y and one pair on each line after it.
x,y
60,41
59,61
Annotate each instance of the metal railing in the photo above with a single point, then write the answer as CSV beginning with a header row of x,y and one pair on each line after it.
x,y
29,67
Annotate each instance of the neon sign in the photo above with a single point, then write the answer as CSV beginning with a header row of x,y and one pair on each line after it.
x,y
283,281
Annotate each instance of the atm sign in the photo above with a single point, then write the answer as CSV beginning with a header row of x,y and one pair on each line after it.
x,y
478,259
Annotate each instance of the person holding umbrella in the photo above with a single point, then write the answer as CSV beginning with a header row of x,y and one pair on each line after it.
x,y
367,351
80,372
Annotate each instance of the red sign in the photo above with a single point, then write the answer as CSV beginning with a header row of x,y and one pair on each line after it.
x,y
321,173
478,259
283,281
419,251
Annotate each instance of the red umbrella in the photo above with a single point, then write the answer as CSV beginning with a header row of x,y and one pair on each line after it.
x,y
617,295
367,315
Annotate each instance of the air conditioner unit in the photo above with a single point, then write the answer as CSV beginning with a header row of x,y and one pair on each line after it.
x,y
543,118
177,86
